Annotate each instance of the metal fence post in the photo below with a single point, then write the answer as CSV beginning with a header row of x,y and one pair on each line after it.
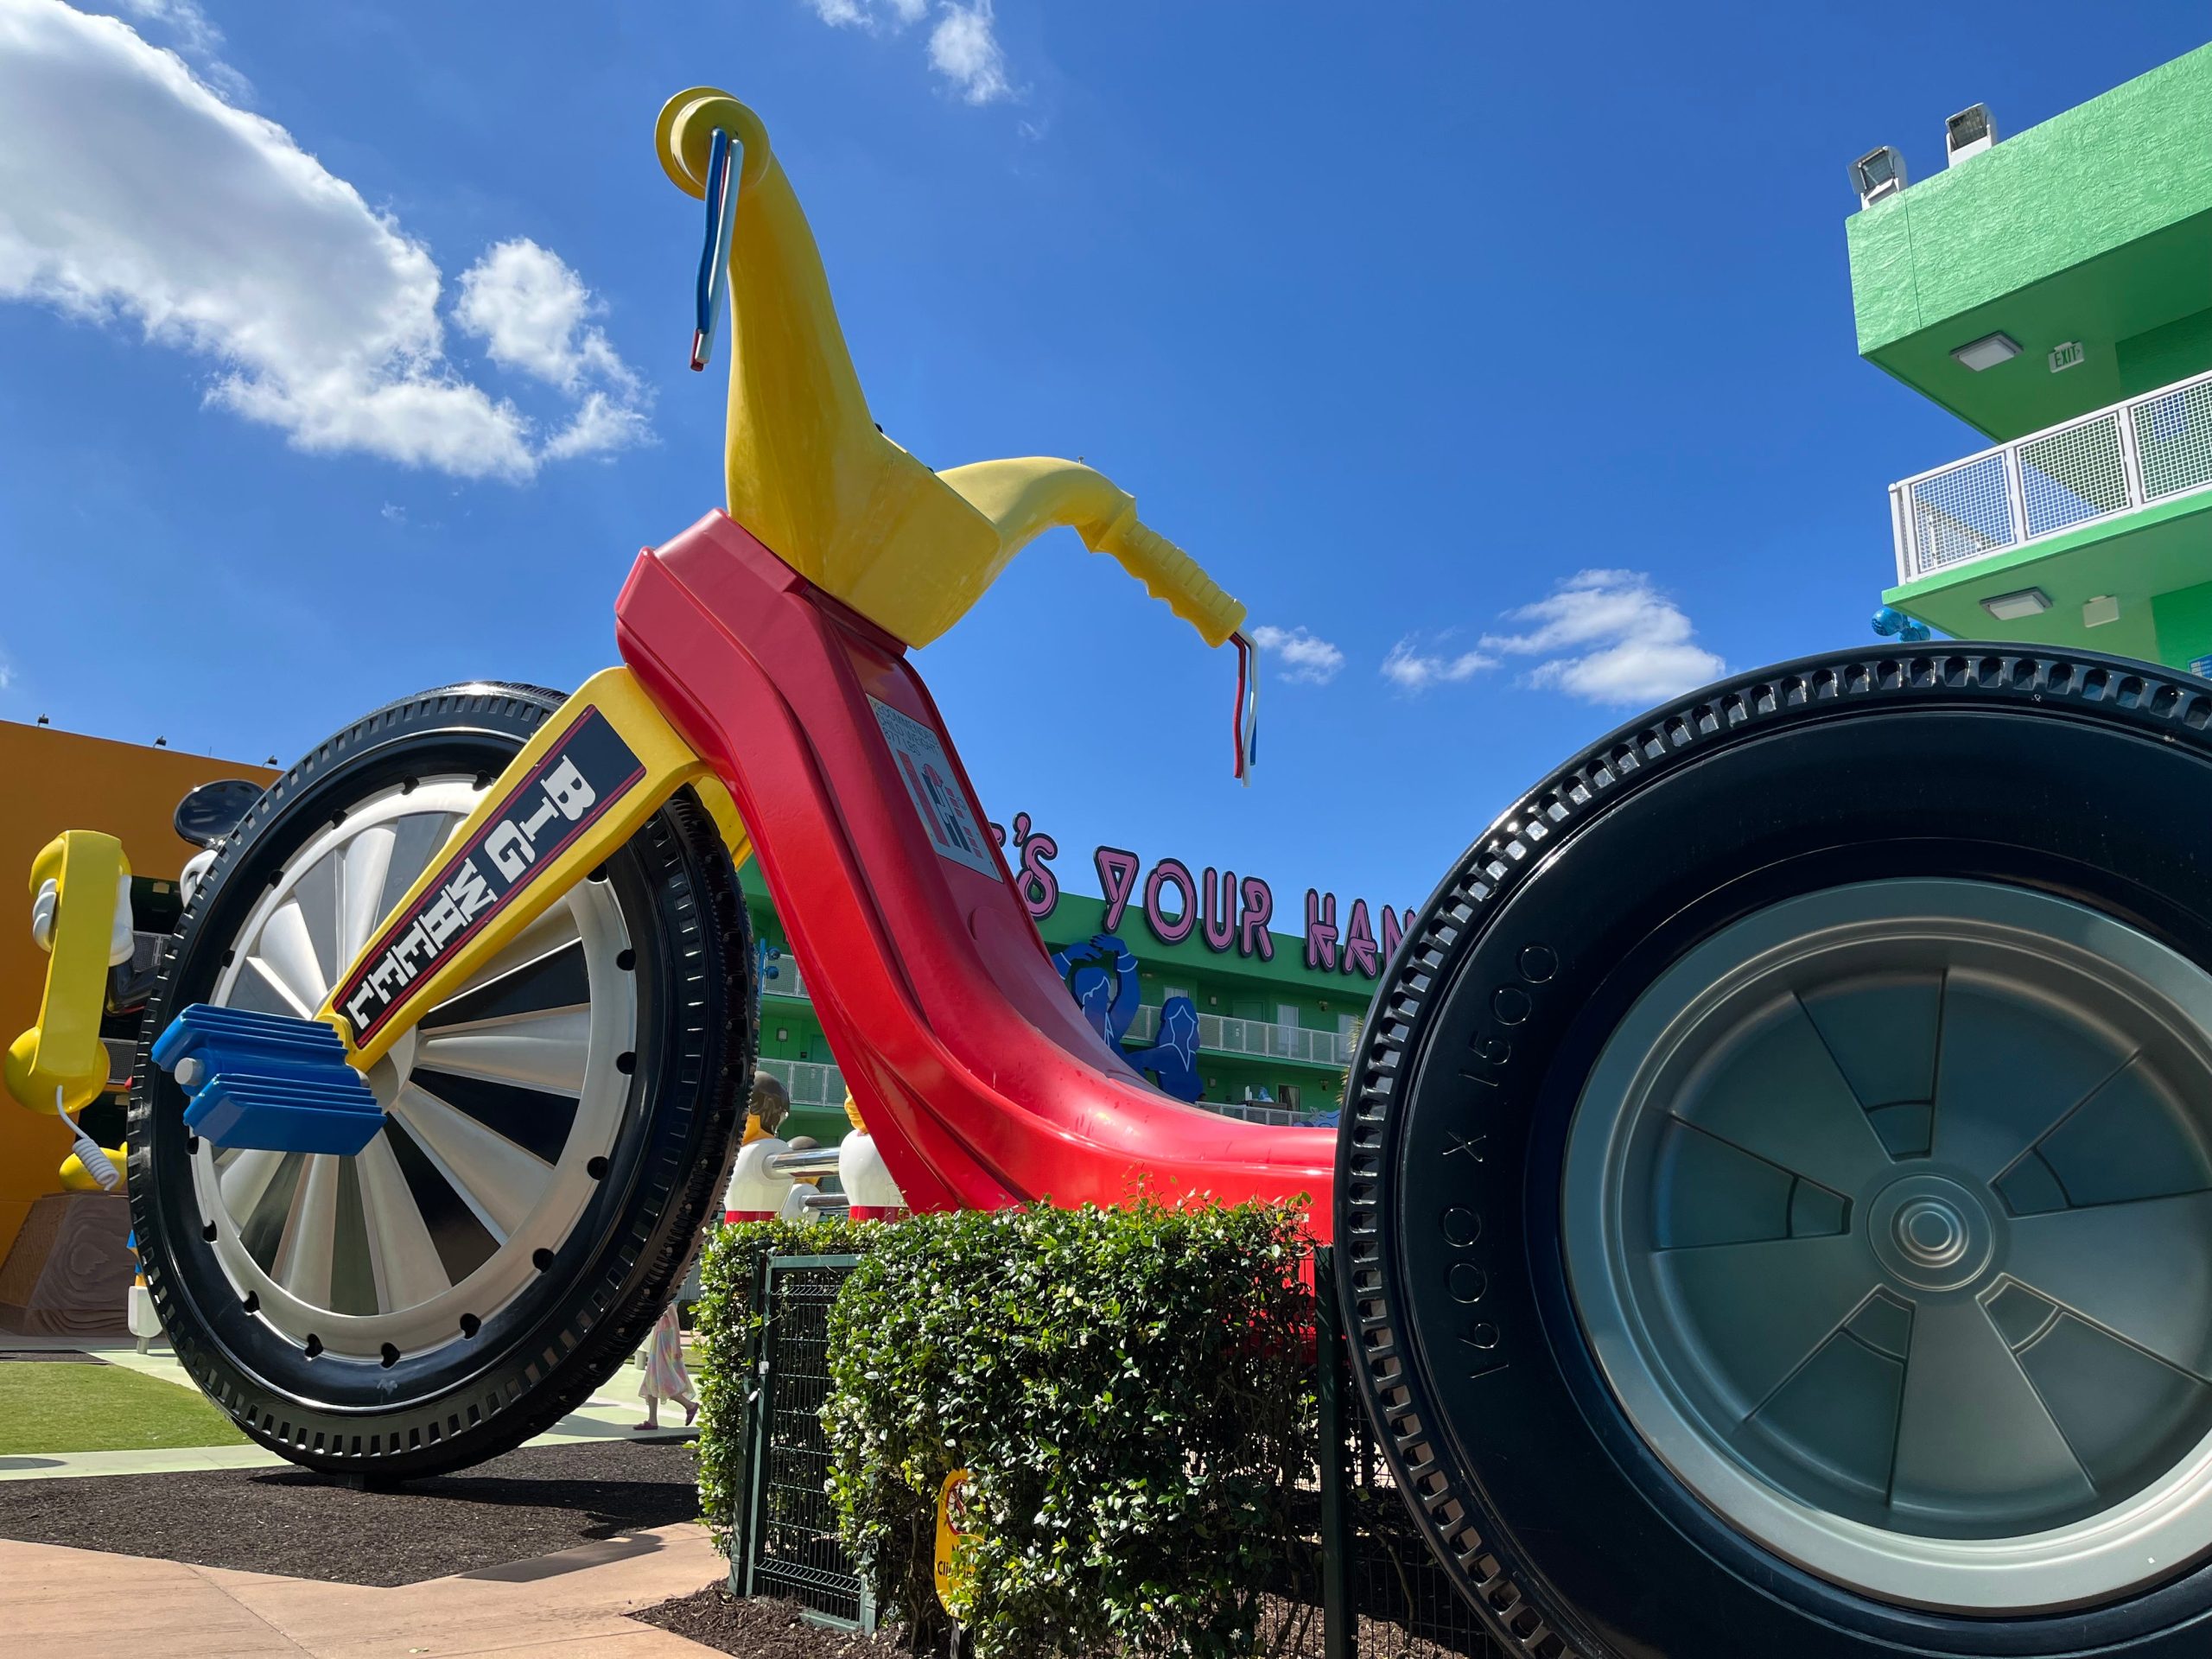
x,y
1339,1616
1901,533
755,1434
2131,462
2015,496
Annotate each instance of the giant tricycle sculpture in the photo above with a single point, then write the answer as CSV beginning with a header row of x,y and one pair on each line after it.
x,y
1773,1196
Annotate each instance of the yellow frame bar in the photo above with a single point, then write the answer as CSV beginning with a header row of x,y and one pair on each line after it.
x,y
603,763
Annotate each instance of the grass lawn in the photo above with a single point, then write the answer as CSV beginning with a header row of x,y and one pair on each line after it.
x,y
49,1406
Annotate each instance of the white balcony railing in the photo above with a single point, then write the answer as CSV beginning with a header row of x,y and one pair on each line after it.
x,y
788,981
810,1083
1219,1032
1253,1111
1225,1035
2116,459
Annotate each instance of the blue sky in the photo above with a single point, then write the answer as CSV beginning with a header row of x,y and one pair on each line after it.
x,y
344,356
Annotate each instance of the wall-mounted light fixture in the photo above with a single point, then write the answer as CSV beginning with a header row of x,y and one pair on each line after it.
x,y
1988,352
2019,605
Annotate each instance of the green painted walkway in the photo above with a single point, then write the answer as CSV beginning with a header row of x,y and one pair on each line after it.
x,y
49,1405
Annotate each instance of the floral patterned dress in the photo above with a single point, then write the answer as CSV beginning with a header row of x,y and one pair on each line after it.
x,y
665,1375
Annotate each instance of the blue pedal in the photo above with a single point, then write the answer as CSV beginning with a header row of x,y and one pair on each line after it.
x,y
267,1081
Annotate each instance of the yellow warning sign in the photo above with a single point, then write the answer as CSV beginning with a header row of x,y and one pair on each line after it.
x,y
953,1526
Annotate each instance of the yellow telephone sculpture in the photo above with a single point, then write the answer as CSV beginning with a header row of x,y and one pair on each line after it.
x,y
80,910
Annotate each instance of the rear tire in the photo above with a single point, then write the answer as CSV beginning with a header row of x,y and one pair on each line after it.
x,y
565,1121
1596,1176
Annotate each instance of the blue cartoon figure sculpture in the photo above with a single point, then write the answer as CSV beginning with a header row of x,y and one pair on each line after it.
x,y
1101,974
1173,1060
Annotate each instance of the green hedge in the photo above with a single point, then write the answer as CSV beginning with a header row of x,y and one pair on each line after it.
x,y
1132,1390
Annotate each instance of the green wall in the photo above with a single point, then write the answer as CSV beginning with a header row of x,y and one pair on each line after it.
x,y
2094,227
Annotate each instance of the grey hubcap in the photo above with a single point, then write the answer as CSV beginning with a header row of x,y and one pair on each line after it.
x,y
502,1105
1889,1216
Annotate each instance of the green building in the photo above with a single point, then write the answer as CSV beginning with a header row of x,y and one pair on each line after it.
x,y
1278,1010
2053,290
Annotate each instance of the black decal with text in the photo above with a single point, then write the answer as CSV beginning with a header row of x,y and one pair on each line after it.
x,y
587,769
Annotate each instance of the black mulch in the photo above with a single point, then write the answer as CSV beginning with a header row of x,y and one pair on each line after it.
x,y
527,1503
771,1629
46,1356
760,1629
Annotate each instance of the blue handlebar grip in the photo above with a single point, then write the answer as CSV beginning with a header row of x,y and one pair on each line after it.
x,y
722,167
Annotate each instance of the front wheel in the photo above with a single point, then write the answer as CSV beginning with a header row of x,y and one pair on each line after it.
x,y
1777,1186
556,1130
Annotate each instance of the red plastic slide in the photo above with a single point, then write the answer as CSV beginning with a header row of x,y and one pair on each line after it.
x,y
977,1077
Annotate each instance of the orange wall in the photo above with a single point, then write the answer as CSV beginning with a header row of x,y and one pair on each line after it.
x,y
51,781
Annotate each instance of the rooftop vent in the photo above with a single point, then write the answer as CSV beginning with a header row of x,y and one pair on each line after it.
x,y
1877,174
1969,132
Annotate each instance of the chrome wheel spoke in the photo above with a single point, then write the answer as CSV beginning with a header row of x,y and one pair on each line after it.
x,y
1783,1099
401,1250
308,1250
556,930
2141,1271
545,1050
415,840
1974,1438
285,955
1765,1308
497,1179
246,1176
363,865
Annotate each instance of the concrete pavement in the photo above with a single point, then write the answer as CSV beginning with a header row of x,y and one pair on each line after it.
x,y
93,1606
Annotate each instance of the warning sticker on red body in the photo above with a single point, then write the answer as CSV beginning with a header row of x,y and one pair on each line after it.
x,y
935,790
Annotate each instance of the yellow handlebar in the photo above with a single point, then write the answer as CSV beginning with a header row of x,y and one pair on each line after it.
x,y
1023,498
1169,573
810,473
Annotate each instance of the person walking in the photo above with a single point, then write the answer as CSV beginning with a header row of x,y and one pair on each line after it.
x,y
666,1377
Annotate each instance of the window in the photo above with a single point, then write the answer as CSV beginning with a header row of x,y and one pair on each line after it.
x,y
1290,1094
1287,1015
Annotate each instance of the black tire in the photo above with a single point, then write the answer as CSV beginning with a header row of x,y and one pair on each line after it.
x,y
631,1220
2083,778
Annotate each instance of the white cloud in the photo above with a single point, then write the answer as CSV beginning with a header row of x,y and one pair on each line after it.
x,y
188,31
1609,637
194,31
964,46
966,52
1411,668
529,308
869,14
131,191
1304,658
601,423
